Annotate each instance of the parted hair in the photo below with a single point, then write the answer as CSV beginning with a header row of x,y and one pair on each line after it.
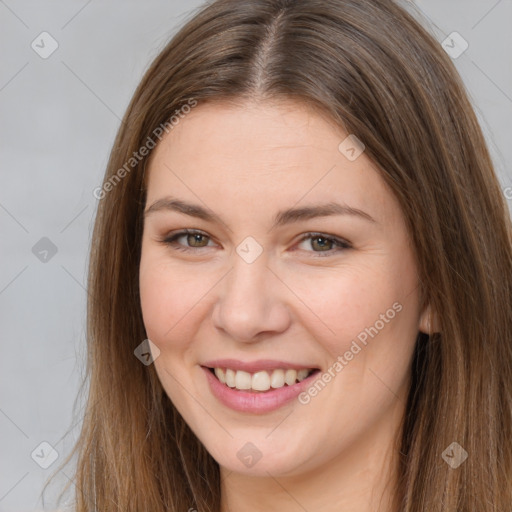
x,y
372,67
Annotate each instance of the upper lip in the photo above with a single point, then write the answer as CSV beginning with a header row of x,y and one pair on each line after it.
x,y
255,366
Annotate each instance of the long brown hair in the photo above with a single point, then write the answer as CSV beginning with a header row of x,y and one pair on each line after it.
x,y
371,67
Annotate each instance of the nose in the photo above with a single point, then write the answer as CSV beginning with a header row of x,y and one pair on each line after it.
x,y
251,302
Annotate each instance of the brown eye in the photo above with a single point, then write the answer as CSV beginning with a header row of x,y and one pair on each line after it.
x,y
323,244
194,240
320,243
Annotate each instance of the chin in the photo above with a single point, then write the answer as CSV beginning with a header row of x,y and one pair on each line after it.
x,y
258,455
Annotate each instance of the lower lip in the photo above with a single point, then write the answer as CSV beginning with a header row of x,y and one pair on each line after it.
x,y
255,402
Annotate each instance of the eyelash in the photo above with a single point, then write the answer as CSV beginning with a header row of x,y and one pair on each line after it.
x,y
340,243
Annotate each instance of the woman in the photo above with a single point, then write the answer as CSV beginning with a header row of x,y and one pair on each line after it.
x,y
373,376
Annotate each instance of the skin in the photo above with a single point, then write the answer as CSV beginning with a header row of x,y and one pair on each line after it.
x,y
295,302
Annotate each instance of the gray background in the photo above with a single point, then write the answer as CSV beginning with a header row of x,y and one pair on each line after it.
x,y
59,116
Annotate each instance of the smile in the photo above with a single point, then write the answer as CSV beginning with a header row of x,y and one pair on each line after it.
x,y
263,380
249,388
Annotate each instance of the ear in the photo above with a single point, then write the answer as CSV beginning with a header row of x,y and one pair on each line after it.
x,y
429,321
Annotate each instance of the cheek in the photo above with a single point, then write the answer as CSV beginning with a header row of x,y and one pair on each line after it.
x,y
171,300
368,316
340,305
167,298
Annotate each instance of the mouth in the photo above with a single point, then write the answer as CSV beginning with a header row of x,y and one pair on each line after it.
x,y
261,381
257,387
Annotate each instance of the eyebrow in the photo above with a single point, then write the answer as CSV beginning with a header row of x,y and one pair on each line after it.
x,y
282,218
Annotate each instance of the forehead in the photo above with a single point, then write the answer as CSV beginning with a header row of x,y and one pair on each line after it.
x,y
257,154
254,132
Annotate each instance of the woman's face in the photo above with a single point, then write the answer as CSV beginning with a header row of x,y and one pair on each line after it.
x,y
299,260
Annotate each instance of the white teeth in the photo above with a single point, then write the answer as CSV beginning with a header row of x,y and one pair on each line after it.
x,y
277,379
219,372
290,377
243,380
262,380
302,374
230,378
